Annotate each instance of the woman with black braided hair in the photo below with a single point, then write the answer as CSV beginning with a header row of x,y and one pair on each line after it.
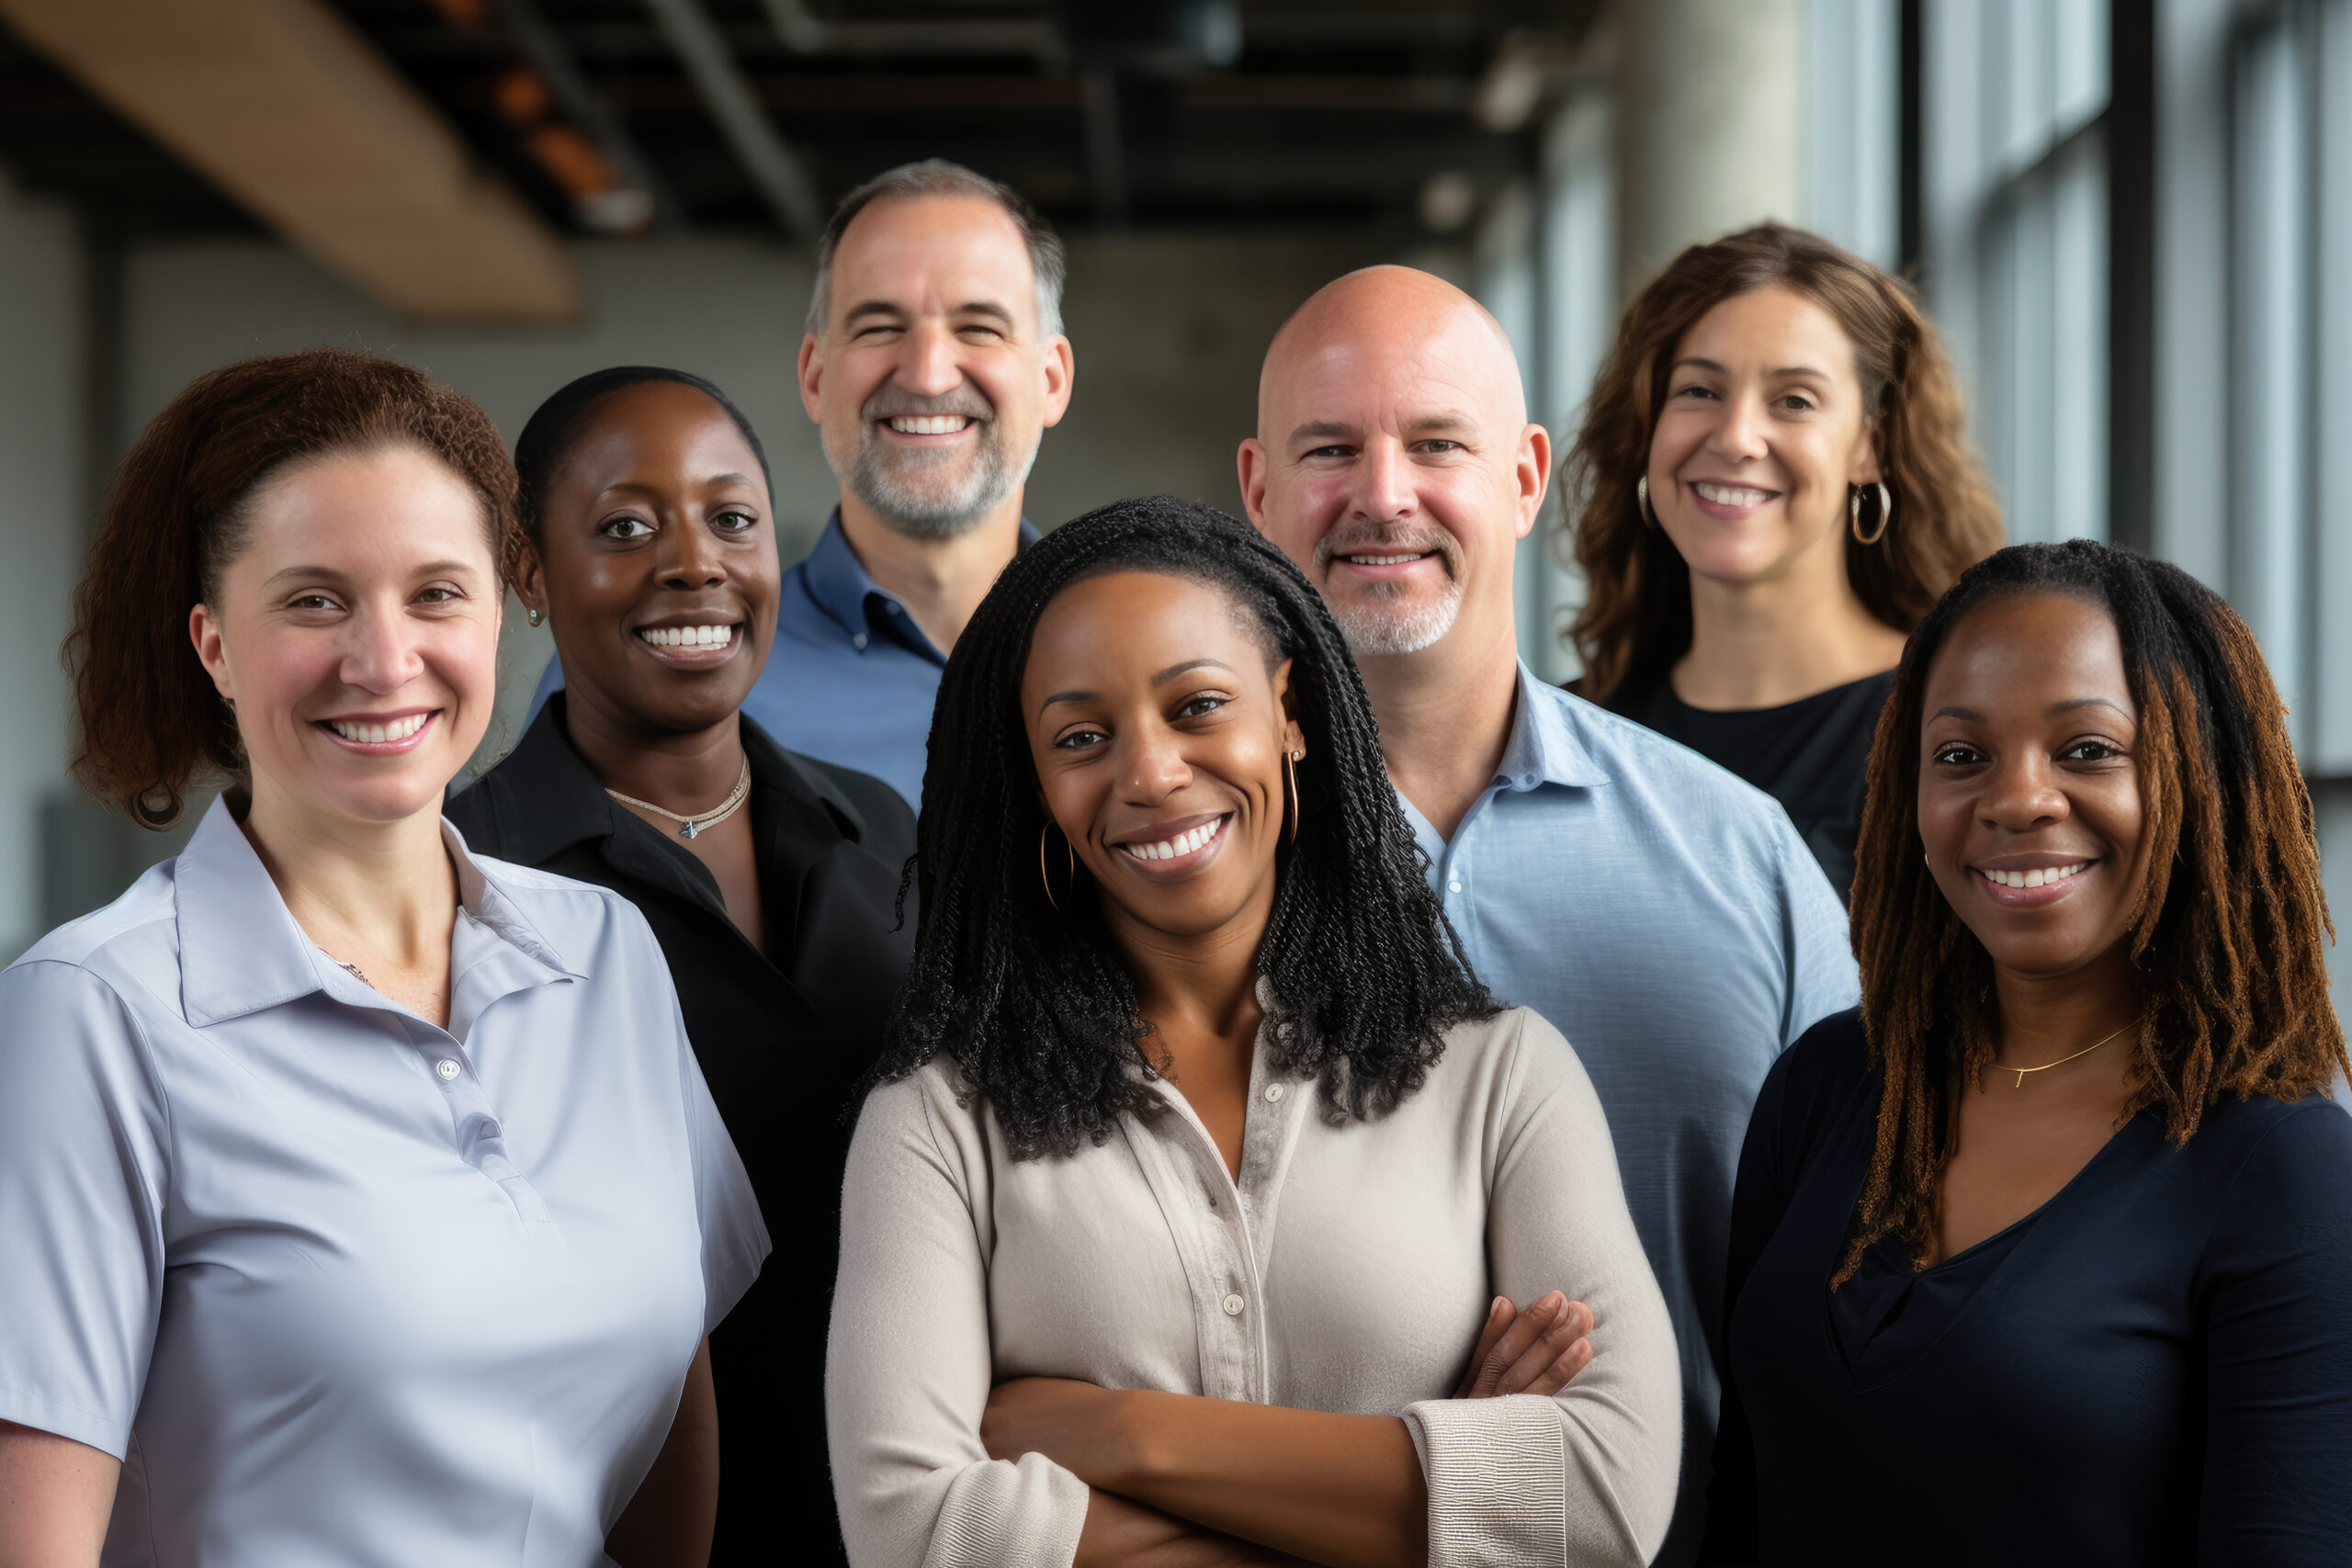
x,y
2045,1256
1197,1160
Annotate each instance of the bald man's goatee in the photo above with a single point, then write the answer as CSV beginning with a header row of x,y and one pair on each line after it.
x,y
1382,624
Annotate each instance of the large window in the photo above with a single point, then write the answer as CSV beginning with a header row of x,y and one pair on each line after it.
x,y
2015,207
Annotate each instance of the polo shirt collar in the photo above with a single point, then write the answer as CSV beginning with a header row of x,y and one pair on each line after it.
x,y
241,949
1544,747
846,590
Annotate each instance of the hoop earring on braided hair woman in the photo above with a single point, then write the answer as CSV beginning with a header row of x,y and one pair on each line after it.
x,y
1069,848
1291,760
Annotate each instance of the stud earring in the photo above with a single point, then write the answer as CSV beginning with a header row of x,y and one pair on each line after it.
x,y
532,615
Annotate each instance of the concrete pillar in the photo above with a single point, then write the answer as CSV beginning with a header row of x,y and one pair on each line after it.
x,y
1709,133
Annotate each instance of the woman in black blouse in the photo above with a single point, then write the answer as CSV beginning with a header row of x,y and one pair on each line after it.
x,y
2045,1256
768,877
1771,488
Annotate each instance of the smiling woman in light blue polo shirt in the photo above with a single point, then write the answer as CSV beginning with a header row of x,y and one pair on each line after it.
x,y
362,1199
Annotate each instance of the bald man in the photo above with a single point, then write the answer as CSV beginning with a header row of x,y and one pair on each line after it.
x,y
1663,914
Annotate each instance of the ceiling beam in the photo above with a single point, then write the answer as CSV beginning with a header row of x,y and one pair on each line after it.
x,y
295,118
777,170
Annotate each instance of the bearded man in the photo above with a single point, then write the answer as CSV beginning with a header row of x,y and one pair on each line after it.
x,y
1663,915
932,364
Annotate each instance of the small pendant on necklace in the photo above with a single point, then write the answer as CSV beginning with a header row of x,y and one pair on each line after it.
x,y
692,829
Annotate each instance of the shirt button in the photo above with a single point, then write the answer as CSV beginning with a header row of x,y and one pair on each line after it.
x,y
1233,1305
1453,887
447,1068
857,639
1274,1093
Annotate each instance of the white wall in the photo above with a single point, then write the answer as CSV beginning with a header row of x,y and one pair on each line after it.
x,y
44,459
1167,335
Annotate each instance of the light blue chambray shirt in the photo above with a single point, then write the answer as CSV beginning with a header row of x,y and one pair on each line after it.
x,y
336,1284
1666,918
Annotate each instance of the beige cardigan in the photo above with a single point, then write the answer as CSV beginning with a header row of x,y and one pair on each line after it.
x,y
1349,1269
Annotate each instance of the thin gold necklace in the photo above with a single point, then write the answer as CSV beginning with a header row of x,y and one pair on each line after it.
x,y
695,826
2061,1061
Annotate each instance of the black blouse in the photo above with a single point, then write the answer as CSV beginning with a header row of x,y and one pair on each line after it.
x,y
2152,1368
1810,755
783,1038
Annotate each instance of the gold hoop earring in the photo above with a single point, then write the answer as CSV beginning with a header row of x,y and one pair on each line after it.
x,y
1290,771
1071,849
1642,498
1854,515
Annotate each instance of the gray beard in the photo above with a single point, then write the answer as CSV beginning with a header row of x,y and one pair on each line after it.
x,y
1384,626
1382,622
917,494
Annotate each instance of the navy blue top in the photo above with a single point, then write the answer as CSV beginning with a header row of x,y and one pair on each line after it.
x,y
851,679
2155,1367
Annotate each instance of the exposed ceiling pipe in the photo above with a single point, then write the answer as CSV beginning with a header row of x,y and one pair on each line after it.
x,y
778,171
587,107
805,32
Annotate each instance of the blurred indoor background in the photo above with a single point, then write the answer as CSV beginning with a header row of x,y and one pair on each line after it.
x,y
2118,211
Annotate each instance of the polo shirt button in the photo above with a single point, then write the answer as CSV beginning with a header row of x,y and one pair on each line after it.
x,y
857,639
1233,1305
447,1068
1274,1093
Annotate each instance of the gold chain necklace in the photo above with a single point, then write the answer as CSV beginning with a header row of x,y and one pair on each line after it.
x,y
2061,1061
695,826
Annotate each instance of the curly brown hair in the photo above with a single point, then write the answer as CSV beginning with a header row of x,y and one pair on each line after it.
x,y
1636,617
152,725
2230,932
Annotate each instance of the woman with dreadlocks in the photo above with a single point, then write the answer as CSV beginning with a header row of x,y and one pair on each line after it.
x,y
1197,1160
2045,1255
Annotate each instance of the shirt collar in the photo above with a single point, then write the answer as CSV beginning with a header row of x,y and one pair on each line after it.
x,y
1544,747
566,805
241,950
845,590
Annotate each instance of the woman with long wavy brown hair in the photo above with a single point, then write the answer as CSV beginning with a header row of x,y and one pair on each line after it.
x,y
1771,488
2042,1255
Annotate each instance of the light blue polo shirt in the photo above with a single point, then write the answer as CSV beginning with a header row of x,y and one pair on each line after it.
x,y
337,1284
1666,918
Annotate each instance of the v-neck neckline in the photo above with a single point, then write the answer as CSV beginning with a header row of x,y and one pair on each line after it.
x,y
2030,1215
1953,1284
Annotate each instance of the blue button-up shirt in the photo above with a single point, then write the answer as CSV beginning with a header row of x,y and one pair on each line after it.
x,y
337,1283
852,678
1668,919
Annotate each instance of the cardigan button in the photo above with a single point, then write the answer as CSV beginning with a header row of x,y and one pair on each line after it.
x,y
1233,1305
